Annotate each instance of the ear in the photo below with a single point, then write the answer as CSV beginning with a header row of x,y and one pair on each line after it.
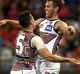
x,y
56,9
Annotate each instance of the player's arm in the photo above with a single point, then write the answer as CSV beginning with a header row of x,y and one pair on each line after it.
x,y
67,31
14,23
38,21
43,51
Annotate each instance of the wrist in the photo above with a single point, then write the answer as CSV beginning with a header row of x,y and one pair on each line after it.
x,y
6,21
67,59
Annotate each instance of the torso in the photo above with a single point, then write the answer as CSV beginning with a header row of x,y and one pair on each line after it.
x,y
51,39
25,55
49,35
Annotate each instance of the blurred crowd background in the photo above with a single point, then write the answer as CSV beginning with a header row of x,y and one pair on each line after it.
x,y
10,9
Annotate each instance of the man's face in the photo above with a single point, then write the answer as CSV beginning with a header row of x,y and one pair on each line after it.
x,y
32,21
49,9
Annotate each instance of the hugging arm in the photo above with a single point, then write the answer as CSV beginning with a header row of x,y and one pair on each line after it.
x,y
43,51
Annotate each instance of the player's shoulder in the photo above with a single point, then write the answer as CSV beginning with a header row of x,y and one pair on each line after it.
x,y
36,37
61,23
21,32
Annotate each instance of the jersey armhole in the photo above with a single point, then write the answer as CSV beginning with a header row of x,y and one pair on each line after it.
x,y
30,42
56,29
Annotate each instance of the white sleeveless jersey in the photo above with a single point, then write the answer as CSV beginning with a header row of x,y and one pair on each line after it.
x,y
50,38
49,35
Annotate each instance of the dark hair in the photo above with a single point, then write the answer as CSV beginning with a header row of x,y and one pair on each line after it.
x,y
24,19
58,3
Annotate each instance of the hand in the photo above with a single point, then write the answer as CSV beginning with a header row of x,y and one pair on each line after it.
x,y
3,22
71,30
74,61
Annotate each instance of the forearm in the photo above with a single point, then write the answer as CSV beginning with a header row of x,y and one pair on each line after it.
x,y
69,37
51,57
39,21
62,59
56,58
14,23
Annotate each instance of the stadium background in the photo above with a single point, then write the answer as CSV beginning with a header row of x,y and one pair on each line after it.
x,y
10,9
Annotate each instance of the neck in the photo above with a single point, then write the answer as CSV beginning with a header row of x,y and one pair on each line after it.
x,y
29,29
53,17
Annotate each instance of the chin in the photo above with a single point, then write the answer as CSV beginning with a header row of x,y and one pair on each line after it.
x,y
47,16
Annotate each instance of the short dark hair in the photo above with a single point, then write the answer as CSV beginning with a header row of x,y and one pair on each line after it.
x,y
24,19
58,3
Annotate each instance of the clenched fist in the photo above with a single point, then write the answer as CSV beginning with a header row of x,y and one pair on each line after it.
x,y
71,30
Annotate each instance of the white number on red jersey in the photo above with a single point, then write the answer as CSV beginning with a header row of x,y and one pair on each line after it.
x,y
19,46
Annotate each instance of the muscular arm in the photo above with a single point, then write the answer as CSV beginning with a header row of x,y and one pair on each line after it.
x,y
43,51
67,31
51,57
15,23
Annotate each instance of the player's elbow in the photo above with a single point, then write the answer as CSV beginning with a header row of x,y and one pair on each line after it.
x,y
48,57
45,54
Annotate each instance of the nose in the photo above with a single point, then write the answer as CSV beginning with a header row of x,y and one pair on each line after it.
x,y
45,8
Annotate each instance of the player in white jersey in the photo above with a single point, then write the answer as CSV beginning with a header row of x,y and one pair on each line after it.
x,y
50,38
53,29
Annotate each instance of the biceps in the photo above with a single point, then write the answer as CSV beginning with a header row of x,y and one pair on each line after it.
x,y
63,29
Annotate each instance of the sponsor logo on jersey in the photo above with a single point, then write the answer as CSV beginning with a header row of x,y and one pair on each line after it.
x,y
48,28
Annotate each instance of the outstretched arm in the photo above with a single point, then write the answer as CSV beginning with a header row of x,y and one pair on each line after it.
x,y
55,58
14,23
43,51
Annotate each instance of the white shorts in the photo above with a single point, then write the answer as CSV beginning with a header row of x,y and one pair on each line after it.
x,y
23,72
46,67
49,72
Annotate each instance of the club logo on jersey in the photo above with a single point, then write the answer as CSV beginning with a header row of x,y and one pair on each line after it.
x,y
48,28
41,25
